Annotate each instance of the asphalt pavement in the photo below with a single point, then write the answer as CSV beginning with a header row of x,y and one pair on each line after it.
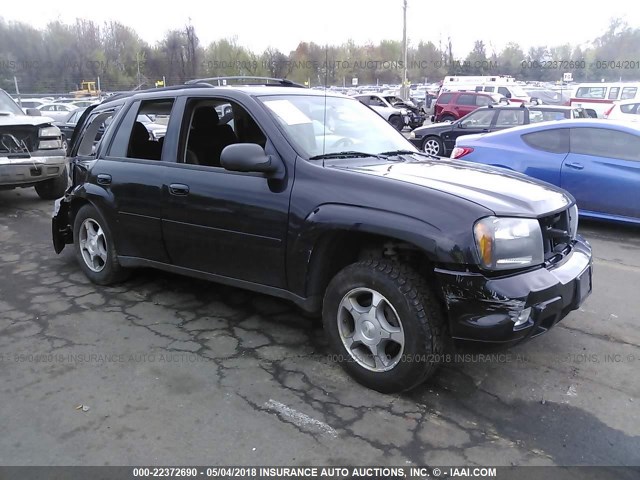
x,y
167,370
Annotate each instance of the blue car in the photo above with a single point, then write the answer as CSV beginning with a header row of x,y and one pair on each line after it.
x,y
597,161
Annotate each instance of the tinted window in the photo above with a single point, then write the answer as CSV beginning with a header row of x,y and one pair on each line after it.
x,y
603,142
93,132
504,91
510,118
445,98
613,93
483,101
628,93
478,119
466,99
553,141
489,89
631,108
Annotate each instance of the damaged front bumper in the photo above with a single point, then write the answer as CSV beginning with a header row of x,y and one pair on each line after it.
x,y
17,171
511,309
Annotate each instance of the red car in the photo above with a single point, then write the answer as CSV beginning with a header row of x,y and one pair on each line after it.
x,y
454,105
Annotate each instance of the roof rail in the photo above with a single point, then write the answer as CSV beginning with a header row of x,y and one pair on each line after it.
x,y
120,95
267,81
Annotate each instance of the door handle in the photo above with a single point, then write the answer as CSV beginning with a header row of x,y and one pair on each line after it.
x,y
178,189
577,166
104,179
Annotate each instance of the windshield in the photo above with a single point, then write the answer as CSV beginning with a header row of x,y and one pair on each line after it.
x,y
7,105
319,125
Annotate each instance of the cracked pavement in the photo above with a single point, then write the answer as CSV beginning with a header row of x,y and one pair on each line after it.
x,y
177,371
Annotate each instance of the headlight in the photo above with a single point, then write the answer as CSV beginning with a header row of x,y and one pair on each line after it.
x,y
49,132
507,243
573,222
50,144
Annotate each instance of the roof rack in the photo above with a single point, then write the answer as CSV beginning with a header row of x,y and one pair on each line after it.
x,y
266,81
120,95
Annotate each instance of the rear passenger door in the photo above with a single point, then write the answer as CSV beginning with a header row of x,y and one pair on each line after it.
x,y
602,171
132,173
466,104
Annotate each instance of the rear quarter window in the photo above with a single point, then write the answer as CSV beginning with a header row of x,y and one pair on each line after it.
x,y
555,140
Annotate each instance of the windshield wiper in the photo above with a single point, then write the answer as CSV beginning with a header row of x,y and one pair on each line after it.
x,y
407,152
345,154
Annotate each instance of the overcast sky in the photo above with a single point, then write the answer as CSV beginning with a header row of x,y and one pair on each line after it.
x,y
282,24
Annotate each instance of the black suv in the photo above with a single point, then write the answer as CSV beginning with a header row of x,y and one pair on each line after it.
x,y
287,194
440,138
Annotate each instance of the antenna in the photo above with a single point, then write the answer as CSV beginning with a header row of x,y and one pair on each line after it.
x,y
326,80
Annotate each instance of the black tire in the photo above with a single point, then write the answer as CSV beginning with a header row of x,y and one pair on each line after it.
x,y
420,317
396,122
65,145
449,118
53,188
433,146
111,271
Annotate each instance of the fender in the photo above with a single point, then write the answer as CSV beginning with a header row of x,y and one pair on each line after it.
x,y
346,219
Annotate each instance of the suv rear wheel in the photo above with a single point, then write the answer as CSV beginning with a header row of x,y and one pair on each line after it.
x,y
94,247
53,188
384,324
449,118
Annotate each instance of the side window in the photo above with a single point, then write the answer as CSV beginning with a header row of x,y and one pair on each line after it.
x,y
483,101
478,119
510,118
135,139
631,108
504,91
591,92
628,93
444,98
489,89
613,93
376,102
93,133
603,142
466,99
212,124
553,141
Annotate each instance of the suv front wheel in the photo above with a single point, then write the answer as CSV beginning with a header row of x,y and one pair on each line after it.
x,y
384,324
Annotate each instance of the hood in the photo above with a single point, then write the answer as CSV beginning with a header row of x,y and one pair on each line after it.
x,y
14,120
499,190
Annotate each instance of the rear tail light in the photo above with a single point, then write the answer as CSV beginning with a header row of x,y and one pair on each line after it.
x,y
460,152
608,111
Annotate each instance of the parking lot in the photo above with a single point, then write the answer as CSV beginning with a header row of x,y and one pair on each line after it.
x,y
169,370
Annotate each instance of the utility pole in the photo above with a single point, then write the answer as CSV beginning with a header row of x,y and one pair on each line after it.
x,y
404,53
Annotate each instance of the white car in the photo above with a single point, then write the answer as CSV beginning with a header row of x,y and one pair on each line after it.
x,y
628,110
57,111
398,117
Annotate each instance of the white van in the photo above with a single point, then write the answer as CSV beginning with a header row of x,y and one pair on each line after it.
x,y
601,96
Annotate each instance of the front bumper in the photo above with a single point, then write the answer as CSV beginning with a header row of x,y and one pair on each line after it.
x,y
485,309
16,172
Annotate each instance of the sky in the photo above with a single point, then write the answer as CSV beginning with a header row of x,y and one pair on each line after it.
x,y
282,24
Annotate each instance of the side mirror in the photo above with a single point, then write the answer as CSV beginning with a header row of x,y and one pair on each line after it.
x,y
248,157
460,125
34,112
